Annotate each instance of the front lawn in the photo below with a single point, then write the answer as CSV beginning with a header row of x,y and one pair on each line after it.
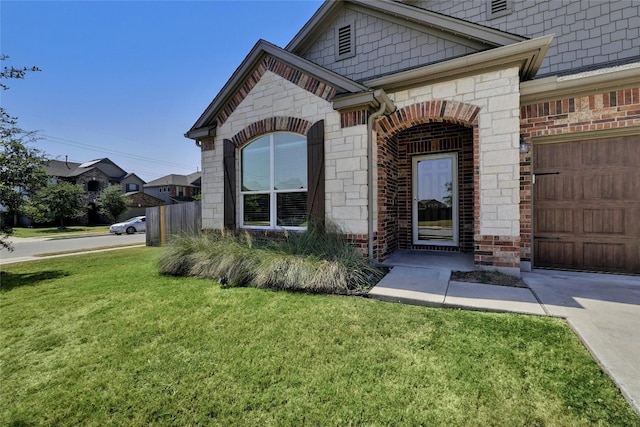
x,y
103,339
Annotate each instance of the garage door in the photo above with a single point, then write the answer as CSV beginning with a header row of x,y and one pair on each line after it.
x,y
587,205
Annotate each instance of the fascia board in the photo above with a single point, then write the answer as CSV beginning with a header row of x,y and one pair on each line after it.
x,y
528,55
199,134
554,87
318,22
473,35
442,22
247,66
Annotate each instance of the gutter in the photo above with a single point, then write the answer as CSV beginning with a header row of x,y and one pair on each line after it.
x,y
202,133
605,80
386,105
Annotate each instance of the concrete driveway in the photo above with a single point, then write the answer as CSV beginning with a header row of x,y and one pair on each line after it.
x,y
604,311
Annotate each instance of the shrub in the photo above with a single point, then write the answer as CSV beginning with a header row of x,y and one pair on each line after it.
x,y
312,261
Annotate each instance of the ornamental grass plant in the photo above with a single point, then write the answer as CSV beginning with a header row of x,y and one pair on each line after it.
x,y
315,261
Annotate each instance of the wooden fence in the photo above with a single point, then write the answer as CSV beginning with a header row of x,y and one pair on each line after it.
x,y
163,222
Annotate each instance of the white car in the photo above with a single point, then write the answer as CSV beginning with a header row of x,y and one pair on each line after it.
x,y
130,226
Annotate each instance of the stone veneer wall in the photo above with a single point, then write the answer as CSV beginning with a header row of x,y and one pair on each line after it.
x,y
490,103
272,100
566,115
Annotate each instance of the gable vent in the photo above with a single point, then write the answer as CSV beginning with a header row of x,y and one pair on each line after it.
x,y
497,8
344,42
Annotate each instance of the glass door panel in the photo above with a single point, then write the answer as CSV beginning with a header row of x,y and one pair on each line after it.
x,y
435,199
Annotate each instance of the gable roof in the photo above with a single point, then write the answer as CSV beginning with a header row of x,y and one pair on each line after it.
x,y
205,125
494,49
71,169
190,180
133,175
61,169
445,26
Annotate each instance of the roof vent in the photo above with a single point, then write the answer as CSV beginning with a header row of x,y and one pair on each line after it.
x,y
498,8
345,46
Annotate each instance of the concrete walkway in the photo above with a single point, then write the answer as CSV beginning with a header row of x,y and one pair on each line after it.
x,y
602,309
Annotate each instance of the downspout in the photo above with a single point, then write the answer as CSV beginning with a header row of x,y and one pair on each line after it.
x,y
385,104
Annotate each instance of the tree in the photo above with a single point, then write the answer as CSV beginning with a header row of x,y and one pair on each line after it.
x,y
21,166
111,202
57,202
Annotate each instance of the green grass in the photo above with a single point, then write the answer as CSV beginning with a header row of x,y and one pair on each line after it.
x,y
57,232
104,339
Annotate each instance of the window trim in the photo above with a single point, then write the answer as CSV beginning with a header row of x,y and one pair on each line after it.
x,y
272,192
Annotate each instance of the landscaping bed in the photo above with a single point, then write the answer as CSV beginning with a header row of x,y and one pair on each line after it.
x,y
488,278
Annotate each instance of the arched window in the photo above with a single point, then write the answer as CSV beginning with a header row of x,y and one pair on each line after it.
x,y
273,177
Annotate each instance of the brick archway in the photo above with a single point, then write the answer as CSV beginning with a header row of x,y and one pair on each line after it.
x,y
424,128
273,124
438,110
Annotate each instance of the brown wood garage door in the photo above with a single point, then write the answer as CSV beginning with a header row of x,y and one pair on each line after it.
x,y
587,205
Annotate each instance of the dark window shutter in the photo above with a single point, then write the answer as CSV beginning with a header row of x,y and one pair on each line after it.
x,y
229,185
315,173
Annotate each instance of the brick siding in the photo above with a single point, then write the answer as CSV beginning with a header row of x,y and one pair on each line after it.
x,y
272,124
424,128
431,138
608,110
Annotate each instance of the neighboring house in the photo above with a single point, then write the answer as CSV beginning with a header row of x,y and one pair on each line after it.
x,y
522,117
94,176
137,203
175,188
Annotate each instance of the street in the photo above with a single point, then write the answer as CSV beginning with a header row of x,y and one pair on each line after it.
x,y
25,249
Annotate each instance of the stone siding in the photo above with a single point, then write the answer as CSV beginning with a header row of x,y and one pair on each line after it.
x,y
496,94
489,103
274,97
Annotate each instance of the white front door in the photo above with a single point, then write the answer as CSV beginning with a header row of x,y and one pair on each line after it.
x,y
435,199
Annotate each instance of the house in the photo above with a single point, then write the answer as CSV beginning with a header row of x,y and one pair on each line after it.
x,y
524,116
137,204
174,188
94,176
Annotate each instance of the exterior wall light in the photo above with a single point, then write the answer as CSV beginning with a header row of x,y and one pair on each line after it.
x,y
524,145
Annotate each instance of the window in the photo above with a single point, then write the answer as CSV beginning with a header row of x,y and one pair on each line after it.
x,y
93,186
132,187
274,182
345,42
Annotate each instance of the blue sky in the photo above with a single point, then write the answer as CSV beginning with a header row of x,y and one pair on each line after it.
x,y
126,79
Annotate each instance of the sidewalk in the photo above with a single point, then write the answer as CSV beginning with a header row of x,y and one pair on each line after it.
x,y
431,286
